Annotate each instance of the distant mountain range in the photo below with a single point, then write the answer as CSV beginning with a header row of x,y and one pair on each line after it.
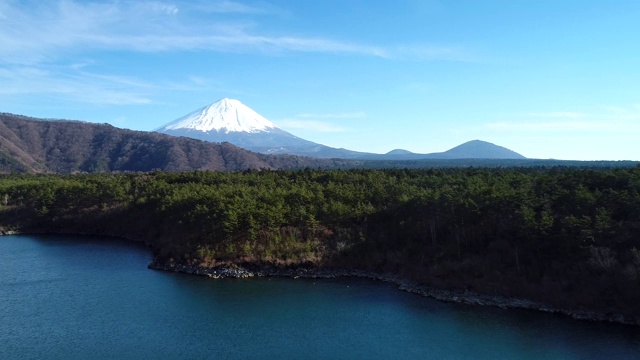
x,y
231,121
62,146
474,149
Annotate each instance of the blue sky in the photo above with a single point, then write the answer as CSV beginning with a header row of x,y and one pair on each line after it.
x,y
548,79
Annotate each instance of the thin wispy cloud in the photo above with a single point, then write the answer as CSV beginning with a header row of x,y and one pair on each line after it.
x,y
79,85
421,52
320,122
558,115
347,115
554,126
39,31
50,47
227,7
631,113
611,119
310,125
158,7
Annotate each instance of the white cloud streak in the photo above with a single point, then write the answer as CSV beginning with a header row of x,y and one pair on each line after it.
x,y
558,115
75,84
78,86
554,126
226,7
320,122
421,52
37,31
347,115
41,41
311,125
611,119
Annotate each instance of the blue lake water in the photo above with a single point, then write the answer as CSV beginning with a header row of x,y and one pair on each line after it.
x,y
64,297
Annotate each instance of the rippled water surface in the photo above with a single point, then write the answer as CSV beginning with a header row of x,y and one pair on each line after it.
x,y
67,297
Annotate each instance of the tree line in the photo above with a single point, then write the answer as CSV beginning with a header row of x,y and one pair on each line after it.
x,y
560,235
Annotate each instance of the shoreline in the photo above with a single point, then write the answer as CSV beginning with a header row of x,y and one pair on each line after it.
x,y
249,270
242,271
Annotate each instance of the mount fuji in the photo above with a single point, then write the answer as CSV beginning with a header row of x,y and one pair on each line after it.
x,y
229,120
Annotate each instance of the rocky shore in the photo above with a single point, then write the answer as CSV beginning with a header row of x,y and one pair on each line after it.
x,y
249,270
463,297
8,232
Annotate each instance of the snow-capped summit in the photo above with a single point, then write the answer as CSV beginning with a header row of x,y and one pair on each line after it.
x,y
229,120
223,116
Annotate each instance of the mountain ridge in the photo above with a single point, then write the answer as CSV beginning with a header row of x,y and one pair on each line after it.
x,y
231,121
65,146
32,145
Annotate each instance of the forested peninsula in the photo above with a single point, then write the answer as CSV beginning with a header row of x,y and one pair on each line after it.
x,y
568,238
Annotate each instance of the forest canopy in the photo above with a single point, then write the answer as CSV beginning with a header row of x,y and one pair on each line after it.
x,y
560,235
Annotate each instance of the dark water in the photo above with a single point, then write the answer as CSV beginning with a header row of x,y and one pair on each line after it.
x,y
89,298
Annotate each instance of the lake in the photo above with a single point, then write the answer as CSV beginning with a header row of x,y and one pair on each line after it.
x,y
71,297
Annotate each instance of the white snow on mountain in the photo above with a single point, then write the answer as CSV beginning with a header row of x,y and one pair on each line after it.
x,y
225,116
231,121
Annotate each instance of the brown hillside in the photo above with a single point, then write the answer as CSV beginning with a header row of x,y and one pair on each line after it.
x,y
62,146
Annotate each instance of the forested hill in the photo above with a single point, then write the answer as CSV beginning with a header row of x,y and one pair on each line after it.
x,y
60,146
563,236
